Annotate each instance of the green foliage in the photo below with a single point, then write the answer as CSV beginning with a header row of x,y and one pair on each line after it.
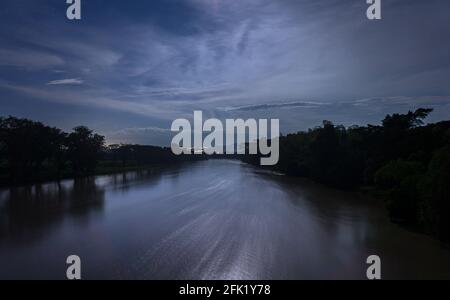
x,y
394,173
436,194
400,179
405,160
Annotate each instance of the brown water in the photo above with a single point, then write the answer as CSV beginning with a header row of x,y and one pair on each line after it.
x,y
207,220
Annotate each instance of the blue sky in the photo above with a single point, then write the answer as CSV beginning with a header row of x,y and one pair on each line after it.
x,y
129,68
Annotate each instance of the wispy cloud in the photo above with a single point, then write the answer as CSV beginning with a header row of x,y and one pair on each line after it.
x,y
298,104
29,59
87,98
69,81
142,130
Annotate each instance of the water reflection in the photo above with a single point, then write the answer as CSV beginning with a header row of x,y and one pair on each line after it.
x,y
205,220
27,211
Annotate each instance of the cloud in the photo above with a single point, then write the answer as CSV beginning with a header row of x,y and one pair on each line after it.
x,y
126,131
70,81
29,59
87,98
300,104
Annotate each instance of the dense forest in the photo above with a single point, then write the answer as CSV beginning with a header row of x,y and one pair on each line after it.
x,y
31,151
403,160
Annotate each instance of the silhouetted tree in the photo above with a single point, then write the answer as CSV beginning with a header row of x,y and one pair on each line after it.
x,y
27,145
84,149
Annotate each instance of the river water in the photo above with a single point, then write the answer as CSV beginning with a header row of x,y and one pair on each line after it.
x,y
216,219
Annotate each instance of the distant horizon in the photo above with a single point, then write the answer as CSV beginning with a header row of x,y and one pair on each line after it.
x,y
429,120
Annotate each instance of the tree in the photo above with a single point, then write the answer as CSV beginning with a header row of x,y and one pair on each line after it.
x,y
399,122
400,180
436,207
394,142
83,149
26,145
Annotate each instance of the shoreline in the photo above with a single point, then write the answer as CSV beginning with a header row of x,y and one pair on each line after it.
x,y
100,171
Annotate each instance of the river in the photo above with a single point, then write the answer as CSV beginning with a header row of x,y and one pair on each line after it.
x,y
216,219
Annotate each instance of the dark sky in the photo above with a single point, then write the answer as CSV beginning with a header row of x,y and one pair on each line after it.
x,y
129,68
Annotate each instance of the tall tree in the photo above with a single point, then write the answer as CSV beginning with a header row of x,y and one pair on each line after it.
x,y
83,149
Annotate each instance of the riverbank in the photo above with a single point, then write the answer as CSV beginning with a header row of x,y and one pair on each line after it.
x,y
104,168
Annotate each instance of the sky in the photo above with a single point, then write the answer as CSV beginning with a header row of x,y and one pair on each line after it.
x,y
127,69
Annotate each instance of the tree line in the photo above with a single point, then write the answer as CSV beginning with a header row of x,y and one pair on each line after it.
x,y
31,151
402,160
